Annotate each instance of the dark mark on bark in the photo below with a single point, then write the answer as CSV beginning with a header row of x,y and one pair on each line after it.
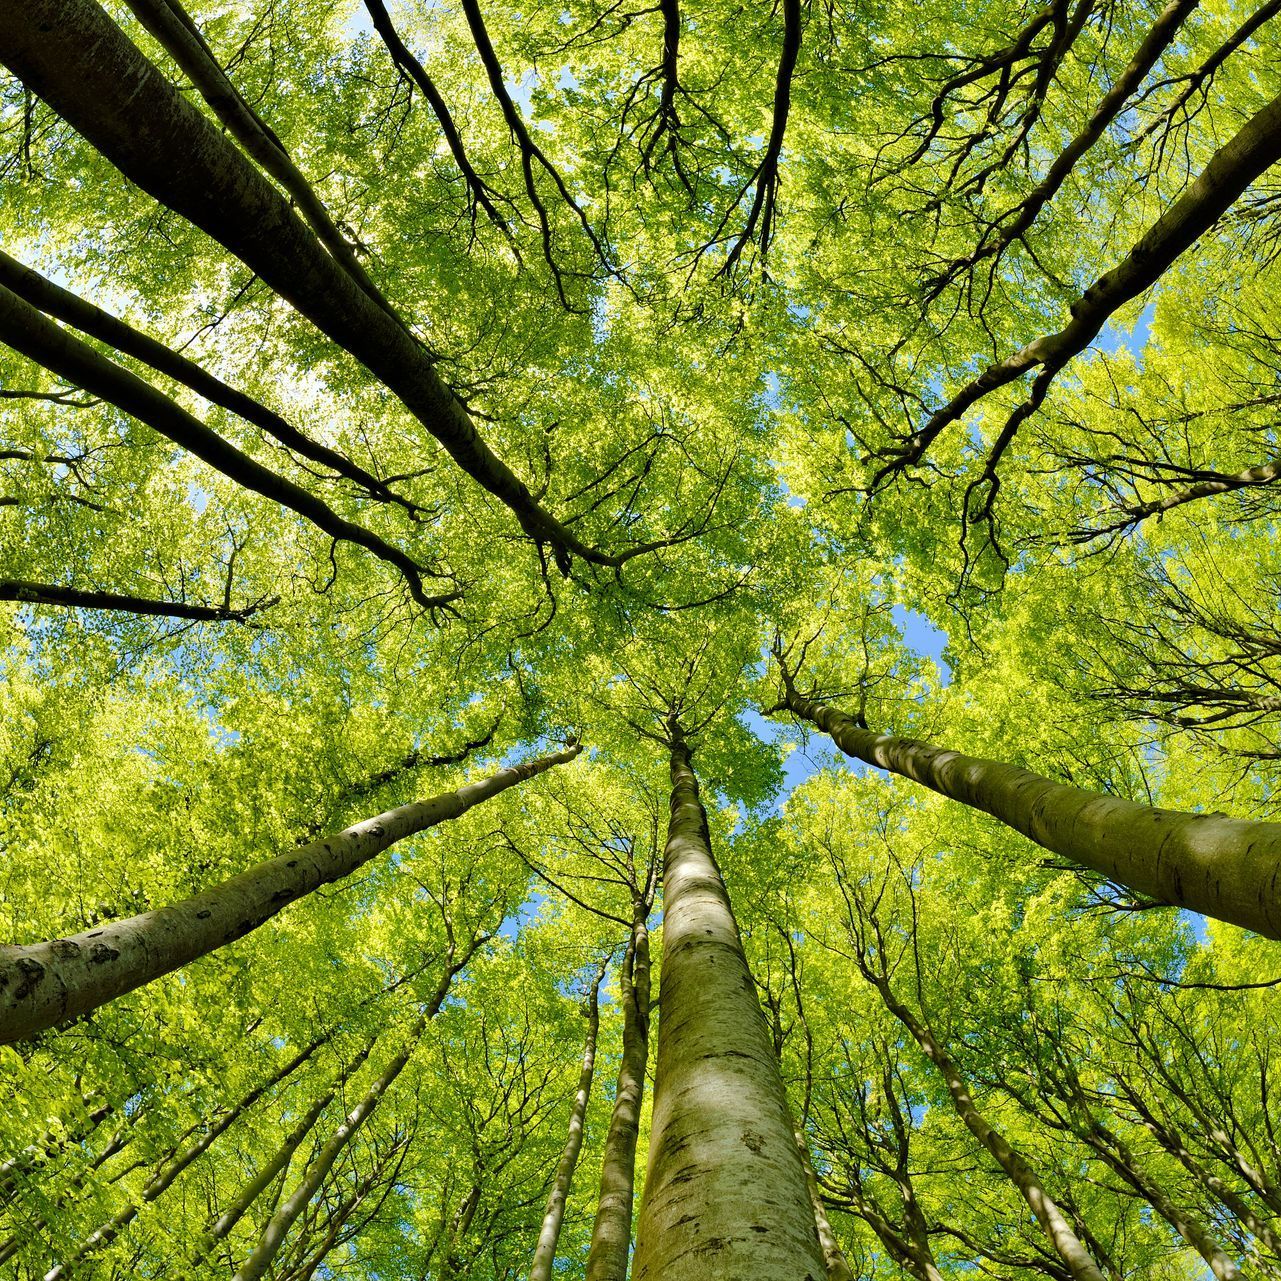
x,y
32,976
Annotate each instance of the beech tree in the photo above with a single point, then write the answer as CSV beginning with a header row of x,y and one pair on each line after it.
x,y
639,640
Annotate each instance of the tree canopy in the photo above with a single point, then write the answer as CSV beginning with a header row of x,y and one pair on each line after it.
x,y
640,637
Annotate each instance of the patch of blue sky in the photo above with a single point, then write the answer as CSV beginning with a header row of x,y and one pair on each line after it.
x,y
806,754
803,756
522,91
1134,338
525,914
357,22
922,637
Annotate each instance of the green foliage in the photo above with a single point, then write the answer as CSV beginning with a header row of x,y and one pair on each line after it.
x,y
718,404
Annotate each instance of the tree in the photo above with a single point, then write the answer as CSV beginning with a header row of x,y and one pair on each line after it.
x,y
530,533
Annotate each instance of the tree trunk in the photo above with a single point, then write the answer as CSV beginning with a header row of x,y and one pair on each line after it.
x,y
116,1144
553,1216
1116,1154
43,984
725,1196
612,1231
279,1162
305,1269
273,1235
174,30
77,59
1226,868
1051,1218
1232,1201
458,1227
838,1268
177,1162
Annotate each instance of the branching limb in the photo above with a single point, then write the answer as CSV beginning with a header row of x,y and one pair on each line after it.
x,y
1015,222
530,151
54,300
1195,80
1241,160
26,330
180,38
480,192
1210,484
30,593
766,176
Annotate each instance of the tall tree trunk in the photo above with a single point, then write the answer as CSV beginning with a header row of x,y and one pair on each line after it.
x,y
273,1235
725,1194
1231,1200
1226,868
116,1144
283,1218
461,1222
279,1161
178,1161
553,1216
612,1231
1115,1152
178,35
1065,1241
82,64
43,984
305,1269
838,1268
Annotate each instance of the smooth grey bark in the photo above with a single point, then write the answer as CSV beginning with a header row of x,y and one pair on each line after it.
x,y
43,984
255,1186
117,1143
1259,1226
311,1260
608,1253
725,1194
1117,1155
77,59
838,1267
179,1161
27,330
286,1214
48,1146
1222,867
554,1215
